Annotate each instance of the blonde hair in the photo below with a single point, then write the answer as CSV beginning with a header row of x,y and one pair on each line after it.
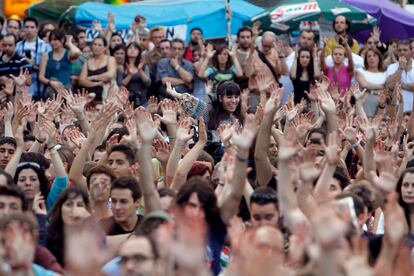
x,y
156,29
338,46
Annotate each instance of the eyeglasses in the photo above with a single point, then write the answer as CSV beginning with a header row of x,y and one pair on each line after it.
x,y
136,258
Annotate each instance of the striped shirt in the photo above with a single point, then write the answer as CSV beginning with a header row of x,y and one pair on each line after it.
x,y
12,66
37,49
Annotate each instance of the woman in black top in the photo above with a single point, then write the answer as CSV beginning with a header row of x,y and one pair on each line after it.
x,y
136,76
304,71
99,70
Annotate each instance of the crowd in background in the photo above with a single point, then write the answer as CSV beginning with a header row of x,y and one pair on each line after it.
x,y
149,156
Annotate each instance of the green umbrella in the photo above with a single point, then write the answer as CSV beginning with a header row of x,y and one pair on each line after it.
x,y
288,15
52,9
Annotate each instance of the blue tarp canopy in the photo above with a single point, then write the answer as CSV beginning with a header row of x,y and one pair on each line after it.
x,y
206,14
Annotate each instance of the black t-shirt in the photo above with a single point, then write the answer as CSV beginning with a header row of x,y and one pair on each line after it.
x,y
111,228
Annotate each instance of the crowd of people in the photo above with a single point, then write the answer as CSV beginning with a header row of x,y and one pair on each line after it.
x,y
149,156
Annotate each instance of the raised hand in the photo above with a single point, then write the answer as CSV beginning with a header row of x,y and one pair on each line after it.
x,y
152,104
50,130
9,87
287,149
245,100
226,131
245,139
210,52
357,93
22,78
123,96
146,127
76,136
349,133
332,150
169,111
171,90
262,84
307,169
184,131
132,137
232,53
162,150
256,28
408,147
39,206
326,102
21,112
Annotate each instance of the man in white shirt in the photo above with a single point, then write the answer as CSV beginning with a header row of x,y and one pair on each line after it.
x,y
403,71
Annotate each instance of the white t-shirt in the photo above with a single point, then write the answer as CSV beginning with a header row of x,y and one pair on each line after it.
x,y
377,78
406,78
285,79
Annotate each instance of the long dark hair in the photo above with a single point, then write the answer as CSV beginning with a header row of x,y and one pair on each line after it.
x,y
138,59
404,205
310,70
220,49
206,196
44,184
56,235
218,113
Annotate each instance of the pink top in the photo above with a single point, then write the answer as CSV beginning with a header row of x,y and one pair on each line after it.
x,y
342,77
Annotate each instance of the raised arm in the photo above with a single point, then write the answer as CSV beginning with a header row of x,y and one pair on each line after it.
x,y
189,159
294,67
236,63
321,191
328,106
169,111
351,65
147,132
183,135
97,131
202,72
261,156
14,161
243,143
74,51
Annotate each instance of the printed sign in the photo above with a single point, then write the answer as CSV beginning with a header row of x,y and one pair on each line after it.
x,y
178,31
288,12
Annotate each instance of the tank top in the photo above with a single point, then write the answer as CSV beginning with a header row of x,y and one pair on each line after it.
x,y
59,69
97,89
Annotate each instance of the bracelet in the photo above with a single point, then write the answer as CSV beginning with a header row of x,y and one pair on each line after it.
x,y
51,147
40,142
241,159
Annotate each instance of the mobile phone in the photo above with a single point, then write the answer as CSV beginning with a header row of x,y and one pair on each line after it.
x,y
28,54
